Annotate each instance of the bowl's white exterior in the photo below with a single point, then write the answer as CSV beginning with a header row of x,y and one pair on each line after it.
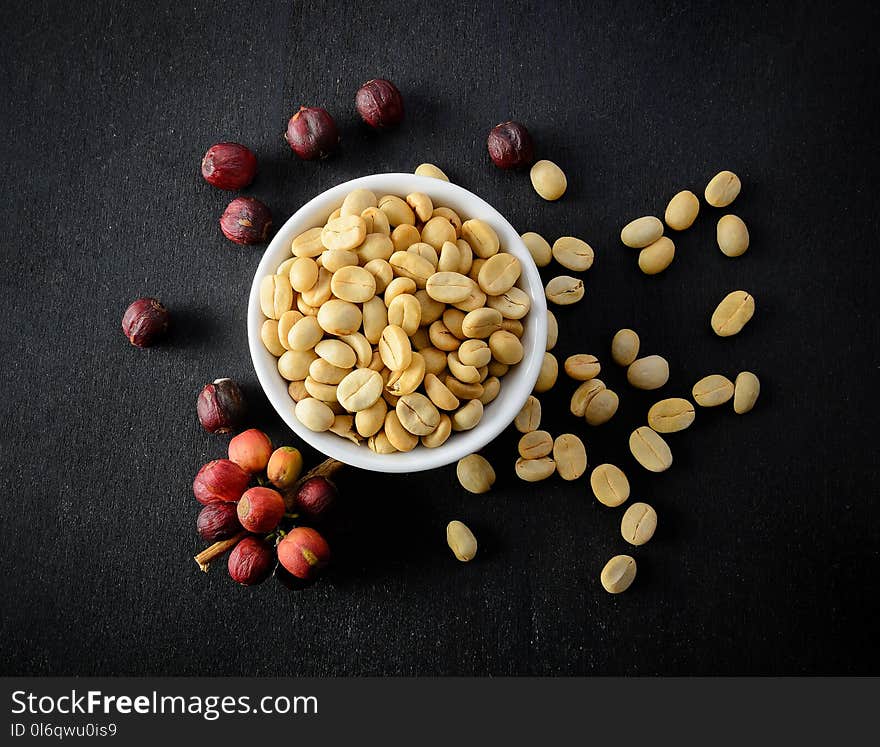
x,y
515,386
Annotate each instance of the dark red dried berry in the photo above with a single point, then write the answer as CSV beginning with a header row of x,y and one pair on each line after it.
x,y
218,521
220,406
379,103
303,552
246,220
220,481
251,561
144,322
510,145
315,496
229,166
312,133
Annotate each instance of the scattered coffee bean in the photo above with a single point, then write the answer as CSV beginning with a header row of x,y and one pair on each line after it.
x,y
650,450
713,390
745,392
638,524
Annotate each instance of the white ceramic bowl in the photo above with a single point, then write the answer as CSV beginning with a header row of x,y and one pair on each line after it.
x,y
515,386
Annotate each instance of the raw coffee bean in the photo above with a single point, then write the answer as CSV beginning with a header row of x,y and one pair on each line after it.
x,y
582,367
429,169
573,254
397,211
345,232
713,390
405,312
529,417
732,236
570,456
426,251
650,450
404,236
441,433
293,365
657,257
304,334
506,347
618,574
533,470
303,274
314,414
380,444
338,317
375,319
650,372
481,236
354,284
269,336
624,347
475,474
463,391
609,485
513,303
467,417
421,204
359,389
682,210
377,221
437,231
745,392
583,395
732,313
408,380
535,445
418,414
369,421
319,293
547,375
324,392
461,541
450,258
538,247
308,243
564,290
323,372
642,232
395,348
474,353
439,393
343,425
276,295
399,437
413,266
638,524
548,180
671,415
357,201
491,389
602,407
499,274
722,189
467,374
448,287
552,330
450,215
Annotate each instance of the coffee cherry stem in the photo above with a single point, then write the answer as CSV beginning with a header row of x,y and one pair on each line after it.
x,y
204,558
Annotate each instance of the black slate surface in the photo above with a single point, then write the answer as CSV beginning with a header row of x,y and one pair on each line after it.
x,y
765,561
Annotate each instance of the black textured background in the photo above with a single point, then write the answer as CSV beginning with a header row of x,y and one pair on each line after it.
x,y
765,560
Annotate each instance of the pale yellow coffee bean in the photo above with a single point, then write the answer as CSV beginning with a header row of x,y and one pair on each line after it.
x,y
467,374
535,444
461,541
732,236
382,272
376,361
314,414
513,303
481,237
650,372
733,313
303,274
491,389
343,425
657,257
284,267
413,266
538,247
400,438
442,338
397,211
671,415
369,421
547,375
320,292
417,414
642,232
450,215
467,417
552,330
461,390
506,347
745,392
722,189
448,287
420,339
305,334
601,407
375,246
425,251
582,366
324,392
395,348
354,284
431,310
435,360
404,236
408,380
481,323
375,319
450,258
324,372
573,254
285,324
437,231
476,299
583,395
713,390
376,221
336,352
440,434
308,243
421,204
345,232
466,254
397,287
474,353
429,169
439,393
514,326
625,347
269,336
338,317
609,485
650,450
276,295
297,390
499,274
476,266
618,574
380,443
682,210
405,312
638,524
293,365
529,417
475,474
570,456
359,389
304,308
357,201
453,319
533,470
564,290
548,180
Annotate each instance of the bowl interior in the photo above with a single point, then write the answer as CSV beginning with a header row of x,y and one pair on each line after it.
x,y
515,386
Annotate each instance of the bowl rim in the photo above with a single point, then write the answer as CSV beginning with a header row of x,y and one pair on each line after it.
x,y
517,386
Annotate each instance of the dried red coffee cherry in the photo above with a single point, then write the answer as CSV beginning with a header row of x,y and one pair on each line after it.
x,y
251,561
251,450
229,166
510,145
312,134
260,510
144,322
220,480
303,552
218,521
246,220
379,103
220,406
315,496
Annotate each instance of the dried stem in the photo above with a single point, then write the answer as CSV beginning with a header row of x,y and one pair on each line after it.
x,y
205,557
